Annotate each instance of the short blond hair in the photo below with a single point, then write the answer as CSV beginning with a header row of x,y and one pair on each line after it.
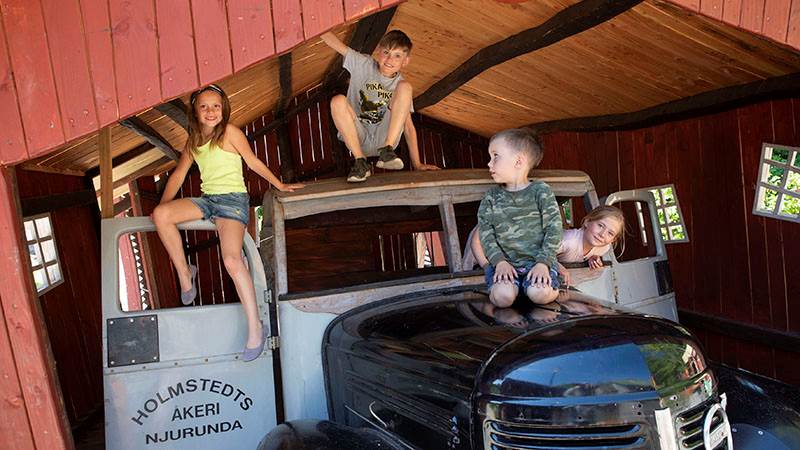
x,y
523,141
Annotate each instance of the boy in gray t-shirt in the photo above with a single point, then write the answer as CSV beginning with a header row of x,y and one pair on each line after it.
x,y
377,108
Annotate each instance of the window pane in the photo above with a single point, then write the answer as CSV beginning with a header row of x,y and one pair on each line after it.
x,y
676,232
43,227
48,250
661,218
657,196
40,279
778,154
796,162
36,256
793,181
768,201
30,231
664,234
790,205
672,215
669,196
54,273
772,175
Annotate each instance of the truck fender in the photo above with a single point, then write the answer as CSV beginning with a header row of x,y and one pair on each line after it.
x,y
323,435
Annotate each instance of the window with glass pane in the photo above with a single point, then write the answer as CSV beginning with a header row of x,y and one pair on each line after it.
x,y
43,252
778,188
668,211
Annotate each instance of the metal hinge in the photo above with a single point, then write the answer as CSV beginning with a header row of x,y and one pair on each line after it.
x,y
267,296
273,342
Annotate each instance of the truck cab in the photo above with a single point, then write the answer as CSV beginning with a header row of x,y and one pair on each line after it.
x,y
378,334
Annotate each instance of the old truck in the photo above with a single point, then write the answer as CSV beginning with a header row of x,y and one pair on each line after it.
x,y
406,355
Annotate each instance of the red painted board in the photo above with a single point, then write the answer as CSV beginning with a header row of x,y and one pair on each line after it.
x,y
26,328
357,8
133,28
752,15
793,33
251,31
97,32
712,8
732,12
776,19
176,47
791,236
385,3
320,16
70,66
12,137
15,430
287,23
316,135
30,62
211,40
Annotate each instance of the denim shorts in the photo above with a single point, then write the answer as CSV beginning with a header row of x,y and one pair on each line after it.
x,y
522,279
235,205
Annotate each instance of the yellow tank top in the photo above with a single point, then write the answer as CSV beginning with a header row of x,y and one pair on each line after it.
x,y
220,171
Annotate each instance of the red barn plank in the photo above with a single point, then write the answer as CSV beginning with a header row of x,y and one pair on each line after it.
x,y
776,19
176,47
288,24
251,31
356,8
712,8
25,328
12,138
30,62
793,33
752,15
97,32
211,40
791,236
135,55
320,16
70,66
316,136
15,430
385,3
732,11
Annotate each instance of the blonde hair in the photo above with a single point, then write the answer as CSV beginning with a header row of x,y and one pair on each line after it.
x,y
523,141
195,132
601,212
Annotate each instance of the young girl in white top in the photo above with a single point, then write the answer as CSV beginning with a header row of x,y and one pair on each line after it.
x,y
600,230
218,148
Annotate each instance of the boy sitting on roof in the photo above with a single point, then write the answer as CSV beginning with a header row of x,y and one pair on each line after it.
x,y
378,105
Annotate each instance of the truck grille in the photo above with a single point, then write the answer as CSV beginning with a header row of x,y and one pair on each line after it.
x,y
502,435
690,427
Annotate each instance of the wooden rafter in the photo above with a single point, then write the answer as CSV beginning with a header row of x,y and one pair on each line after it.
x,y
176,110
284,145
152,136
568,22
705,103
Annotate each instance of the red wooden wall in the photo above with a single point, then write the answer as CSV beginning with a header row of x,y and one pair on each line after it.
x,y
736,265
72,310
70,67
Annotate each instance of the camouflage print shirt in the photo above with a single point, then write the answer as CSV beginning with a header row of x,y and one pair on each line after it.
x,y
522,227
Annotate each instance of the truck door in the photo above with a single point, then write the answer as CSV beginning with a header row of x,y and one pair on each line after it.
x,y
641,277
172,376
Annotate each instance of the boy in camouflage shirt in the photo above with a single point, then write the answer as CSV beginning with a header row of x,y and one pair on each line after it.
x,y
519,222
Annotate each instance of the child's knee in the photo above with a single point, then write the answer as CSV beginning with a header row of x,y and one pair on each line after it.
x,y
503,294
161,216
541,295
233,263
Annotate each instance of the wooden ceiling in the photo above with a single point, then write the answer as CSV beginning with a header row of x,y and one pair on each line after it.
x,y
652,54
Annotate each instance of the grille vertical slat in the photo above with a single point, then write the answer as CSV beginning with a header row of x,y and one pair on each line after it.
x,y
690,427
506,436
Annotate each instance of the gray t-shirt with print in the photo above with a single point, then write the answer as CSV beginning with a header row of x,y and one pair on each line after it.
x,y
369,92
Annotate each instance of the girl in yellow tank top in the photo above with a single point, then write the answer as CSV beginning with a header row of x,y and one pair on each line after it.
x,y
218,148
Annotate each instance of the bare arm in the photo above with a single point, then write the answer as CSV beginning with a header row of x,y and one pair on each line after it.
x,y
334,43
177,176
239,142
410,133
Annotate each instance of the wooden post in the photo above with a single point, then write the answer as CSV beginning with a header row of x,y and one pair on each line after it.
x,y
106,176
452,246
32,359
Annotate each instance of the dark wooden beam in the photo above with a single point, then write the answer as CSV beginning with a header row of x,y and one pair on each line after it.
x,y
47,203
568,22
739,330
696,105
122,205
284,141
106,174
122,159
152,136
176,110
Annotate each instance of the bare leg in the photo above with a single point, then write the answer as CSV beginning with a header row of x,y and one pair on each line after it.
x,y
345,120
166,217
231,236
503,294
401,108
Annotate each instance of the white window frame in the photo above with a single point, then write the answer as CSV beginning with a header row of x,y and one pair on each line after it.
x,y
661,205
37,241
783,191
